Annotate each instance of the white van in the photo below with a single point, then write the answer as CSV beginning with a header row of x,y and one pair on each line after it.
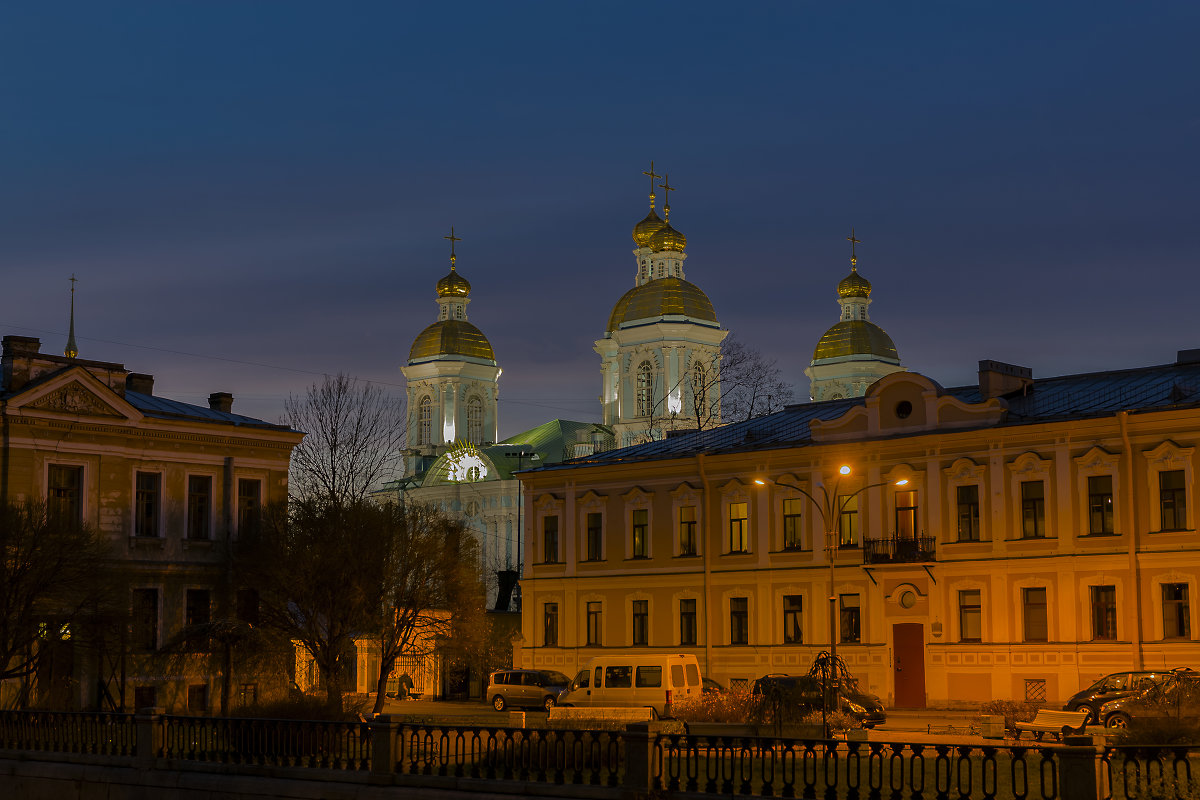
x,y
650,680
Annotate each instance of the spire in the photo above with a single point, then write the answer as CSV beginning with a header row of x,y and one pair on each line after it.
x,y
72,350
853,257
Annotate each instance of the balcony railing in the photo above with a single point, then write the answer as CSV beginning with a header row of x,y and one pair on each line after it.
x,y
898,550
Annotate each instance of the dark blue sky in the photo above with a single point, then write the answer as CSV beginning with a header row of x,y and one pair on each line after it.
x,y
269,182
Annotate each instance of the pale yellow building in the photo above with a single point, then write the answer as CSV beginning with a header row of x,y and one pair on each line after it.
x,y
169,485
1045,535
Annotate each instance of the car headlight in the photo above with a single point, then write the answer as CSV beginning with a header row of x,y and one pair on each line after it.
x,y
855,707
1109,706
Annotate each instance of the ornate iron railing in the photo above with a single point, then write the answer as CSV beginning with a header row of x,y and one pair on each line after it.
x,y
68,732
898,550
268,742
556,756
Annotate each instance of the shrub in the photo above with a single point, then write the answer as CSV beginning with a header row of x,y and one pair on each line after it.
x,y
737,707
1014,711
839,722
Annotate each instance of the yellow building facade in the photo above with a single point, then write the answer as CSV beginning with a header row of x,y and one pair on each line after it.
x,y
1044,535
168,485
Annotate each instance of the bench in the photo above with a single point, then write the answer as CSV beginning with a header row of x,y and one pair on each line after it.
x,y
600,714
1059,723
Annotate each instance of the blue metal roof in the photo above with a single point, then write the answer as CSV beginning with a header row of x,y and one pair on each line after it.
x,y
1093,394
162,408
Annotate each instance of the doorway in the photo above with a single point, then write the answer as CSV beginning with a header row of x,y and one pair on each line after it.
x,y
908,664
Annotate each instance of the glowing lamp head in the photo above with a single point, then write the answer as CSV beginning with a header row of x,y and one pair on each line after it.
x,y
902,482
844,469
760,481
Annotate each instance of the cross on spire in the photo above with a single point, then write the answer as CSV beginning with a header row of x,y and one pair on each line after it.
x,y
653,176
668,188
452,239
853,257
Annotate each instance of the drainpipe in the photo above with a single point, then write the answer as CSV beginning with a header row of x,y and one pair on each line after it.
x,y
705,547
4,454
1134,540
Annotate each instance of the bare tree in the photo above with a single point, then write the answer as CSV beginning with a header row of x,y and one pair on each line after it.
x,y
751,384
50,571
354,436
430,584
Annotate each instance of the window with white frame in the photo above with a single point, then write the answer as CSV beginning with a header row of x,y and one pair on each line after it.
x,y
1036,622
640,623
1033,509
1170,473
1100,504
425,420
475,421
687,621
639,524
739,620
967,507
970,615
645,389
847,520
687,530
1104,613
595,622
793,632
793,529
739,528
1177,623
1172,500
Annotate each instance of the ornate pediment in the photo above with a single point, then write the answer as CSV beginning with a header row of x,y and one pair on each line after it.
x,y
74,398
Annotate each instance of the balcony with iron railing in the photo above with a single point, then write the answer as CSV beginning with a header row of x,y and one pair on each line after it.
x,y
896,549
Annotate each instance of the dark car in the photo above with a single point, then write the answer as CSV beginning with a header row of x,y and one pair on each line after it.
x,y
805,692
1177,694
531,688
710,686
1109,688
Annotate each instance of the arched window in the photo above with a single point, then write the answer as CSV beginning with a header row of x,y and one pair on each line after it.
x,y
475,421
700,389
645,389
425,421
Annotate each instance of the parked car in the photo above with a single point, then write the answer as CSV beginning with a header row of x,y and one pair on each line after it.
x,y
1109,688
710,686
653,680
1178,693
529,688
805,691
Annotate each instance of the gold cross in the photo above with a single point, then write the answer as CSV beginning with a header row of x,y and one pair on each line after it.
x,y
452,239
652,175
853,241
668,188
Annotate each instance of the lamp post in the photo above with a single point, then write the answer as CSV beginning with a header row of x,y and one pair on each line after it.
x,y
520,456
830,508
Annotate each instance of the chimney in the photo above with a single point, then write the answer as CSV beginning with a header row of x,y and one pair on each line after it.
x,y
506,580
139,382
221,401
1184,357
997,379
18,353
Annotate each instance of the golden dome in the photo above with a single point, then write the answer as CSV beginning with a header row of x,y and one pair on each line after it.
x,y
661,298
451,337
667,238
647,228
453,285
855,337
854,285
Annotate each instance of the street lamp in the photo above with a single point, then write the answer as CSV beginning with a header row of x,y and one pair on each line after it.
x,y
830,508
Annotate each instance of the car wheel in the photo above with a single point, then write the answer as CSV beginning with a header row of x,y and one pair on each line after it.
x,y
548,703
498,703
1091,714
1117,720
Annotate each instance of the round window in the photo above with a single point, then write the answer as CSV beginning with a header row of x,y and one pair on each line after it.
x,y
908,599
903,409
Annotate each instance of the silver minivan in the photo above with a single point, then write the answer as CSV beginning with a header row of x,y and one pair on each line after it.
x,y
525,688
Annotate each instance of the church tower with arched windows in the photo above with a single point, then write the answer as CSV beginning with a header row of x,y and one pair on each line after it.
x,y
661,351
855,352
452,375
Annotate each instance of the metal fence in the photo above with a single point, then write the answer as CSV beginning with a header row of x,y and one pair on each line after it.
x,y
642,759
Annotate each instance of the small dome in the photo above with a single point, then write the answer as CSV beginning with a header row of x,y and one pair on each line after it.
x,y
854,285
647,228
856,337
661,298
451,337
667,238
453,285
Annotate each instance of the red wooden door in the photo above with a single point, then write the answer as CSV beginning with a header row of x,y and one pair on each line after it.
x,y
908,664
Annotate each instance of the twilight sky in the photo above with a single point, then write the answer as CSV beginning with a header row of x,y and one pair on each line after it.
x,y
255,193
